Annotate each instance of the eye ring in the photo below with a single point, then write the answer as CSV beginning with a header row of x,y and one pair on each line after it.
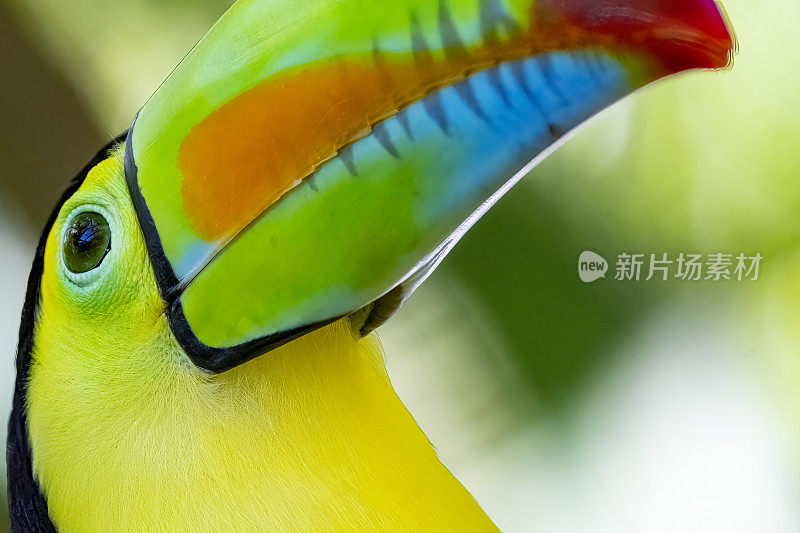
x,y
86,244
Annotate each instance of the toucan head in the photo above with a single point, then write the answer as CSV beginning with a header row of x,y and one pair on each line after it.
x,y
312,161
308,164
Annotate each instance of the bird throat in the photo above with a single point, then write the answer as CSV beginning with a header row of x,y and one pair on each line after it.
x,y
311,436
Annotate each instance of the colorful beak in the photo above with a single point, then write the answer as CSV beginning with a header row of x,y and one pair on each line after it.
x,y
307,159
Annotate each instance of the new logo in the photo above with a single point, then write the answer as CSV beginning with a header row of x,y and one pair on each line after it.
x,y
591,267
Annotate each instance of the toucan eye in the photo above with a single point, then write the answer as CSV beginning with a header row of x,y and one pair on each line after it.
x,y
88,240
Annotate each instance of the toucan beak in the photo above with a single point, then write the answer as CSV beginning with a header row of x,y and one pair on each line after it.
x,y
301,164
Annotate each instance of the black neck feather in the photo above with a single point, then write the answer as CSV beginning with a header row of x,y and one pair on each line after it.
x,y
26,503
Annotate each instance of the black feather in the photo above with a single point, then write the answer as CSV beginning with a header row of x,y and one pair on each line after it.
x,y
26,504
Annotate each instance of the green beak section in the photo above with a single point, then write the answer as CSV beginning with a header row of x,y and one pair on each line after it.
x,y
289,175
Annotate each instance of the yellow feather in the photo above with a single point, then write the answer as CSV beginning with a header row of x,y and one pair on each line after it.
x,y
127,435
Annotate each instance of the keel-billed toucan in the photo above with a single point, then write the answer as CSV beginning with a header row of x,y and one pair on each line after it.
x,y
195,350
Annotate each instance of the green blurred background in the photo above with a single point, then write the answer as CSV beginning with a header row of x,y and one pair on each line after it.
x,y
615,406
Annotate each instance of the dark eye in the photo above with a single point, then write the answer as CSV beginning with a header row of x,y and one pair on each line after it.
x,y
87,242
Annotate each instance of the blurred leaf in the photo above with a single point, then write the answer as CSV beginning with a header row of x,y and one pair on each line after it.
x,y
521,261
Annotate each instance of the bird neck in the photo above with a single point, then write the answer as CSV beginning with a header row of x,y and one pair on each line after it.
x,y
311,436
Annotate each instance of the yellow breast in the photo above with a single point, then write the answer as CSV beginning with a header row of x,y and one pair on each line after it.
x,y
310,437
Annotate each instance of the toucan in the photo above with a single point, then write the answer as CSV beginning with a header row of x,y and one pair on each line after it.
x,y
197,348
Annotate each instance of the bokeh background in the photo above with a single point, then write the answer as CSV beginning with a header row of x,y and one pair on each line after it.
x,y
564,407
